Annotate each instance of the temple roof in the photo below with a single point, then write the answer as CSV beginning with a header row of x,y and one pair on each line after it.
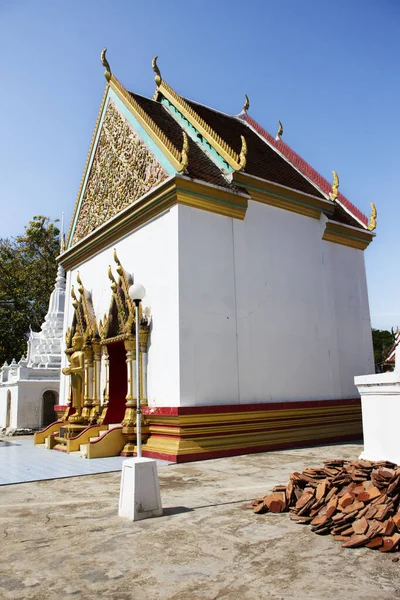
x,y
262,160
172,140
200,165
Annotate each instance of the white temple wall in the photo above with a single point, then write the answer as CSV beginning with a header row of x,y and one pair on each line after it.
x,y
151,255
208,358
269,312
352,317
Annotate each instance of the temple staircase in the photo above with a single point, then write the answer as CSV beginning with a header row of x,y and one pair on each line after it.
x,y
108,442
88,441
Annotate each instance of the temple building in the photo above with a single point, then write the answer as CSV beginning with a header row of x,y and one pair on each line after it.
x,y
29,389
256,316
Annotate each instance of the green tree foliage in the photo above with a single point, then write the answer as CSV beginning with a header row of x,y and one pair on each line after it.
x,y
383,341
28,270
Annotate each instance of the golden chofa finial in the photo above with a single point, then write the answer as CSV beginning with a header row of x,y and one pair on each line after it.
x,y
243,154
157,78
120,268
246,104
372,218
116,257
105,63
280,132
335,187
81,289
112,279
110,274
185,152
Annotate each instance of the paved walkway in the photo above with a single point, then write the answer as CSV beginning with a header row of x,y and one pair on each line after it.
x,y
63,539
21,462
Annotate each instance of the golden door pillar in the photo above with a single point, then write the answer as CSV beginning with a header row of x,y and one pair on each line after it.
x,y
143,341
88,388
128,423
96,408
106,393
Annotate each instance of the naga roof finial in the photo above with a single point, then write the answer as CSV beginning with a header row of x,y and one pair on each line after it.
x,y
280,132
157,78
246,104
243,154
105,63
185,152
335,186
372,218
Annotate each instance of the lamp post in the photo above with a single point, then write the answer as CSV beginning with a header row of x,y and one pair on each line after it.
x,y
137,292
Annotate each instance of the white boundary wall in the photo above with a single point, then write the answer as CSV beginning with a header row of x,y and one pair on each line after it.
x,y
380,401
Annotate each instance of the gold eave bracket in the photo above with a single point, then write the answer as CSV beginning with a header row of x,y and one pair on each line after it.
x,y
338,233
268,192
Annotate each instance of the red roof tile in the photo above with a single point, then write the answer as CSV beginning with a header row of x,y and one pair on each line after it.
x,y
306,169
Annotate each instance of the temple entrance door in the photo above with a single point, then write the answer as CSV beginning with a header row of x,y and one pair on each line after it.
x,y
8,414
49,400
118,383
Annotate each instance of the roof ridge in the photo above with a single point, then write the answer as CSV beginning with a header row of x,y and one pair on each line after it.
x,y
306,169
235,160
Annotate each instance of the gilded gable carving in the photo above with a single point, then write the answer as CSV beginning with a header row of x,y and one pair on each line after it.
x,y
122,171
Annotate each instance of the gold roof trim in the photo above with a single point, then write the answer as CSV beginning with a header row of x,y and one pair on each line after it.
x,y
372,218
158,136
234,159
105,63
96,127
335,186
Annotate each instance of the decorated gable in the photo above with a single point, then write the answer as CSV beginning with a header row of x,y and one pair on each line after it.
x,y
122,170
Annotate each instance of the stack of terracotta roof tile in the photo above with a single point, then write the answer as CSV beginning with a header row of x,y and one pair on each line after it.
x,y
357,502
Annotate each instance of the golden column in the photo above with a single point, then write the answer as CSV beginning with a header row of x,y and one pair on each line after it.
x,y
128,423
143,340
106,397
88,391
95,412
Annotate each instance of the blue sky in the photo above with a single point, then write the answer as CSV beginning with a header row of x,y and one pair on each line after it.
x,y
329,71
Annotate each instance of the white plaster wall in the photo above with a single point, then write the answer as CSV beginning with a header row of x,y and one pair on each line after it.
x,y
269,312
208,372
380,400
352,317
26,403
151,255
3,405
30,402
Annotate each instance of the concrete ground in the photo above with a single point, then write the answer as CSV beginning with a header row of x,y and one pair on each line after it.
x,y
63,539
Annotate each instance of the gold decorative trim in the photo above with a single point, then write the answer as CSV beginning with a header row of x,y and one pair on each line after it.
x,y
176,190
234,159
335,187
280,132
96,127
246,104
339,233
104,62
372,218
181,435
157,78
90,317
154,131
273,194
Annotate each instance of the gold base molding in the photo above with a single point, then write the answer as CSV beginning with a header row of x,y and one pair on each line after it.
x,y
182,434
